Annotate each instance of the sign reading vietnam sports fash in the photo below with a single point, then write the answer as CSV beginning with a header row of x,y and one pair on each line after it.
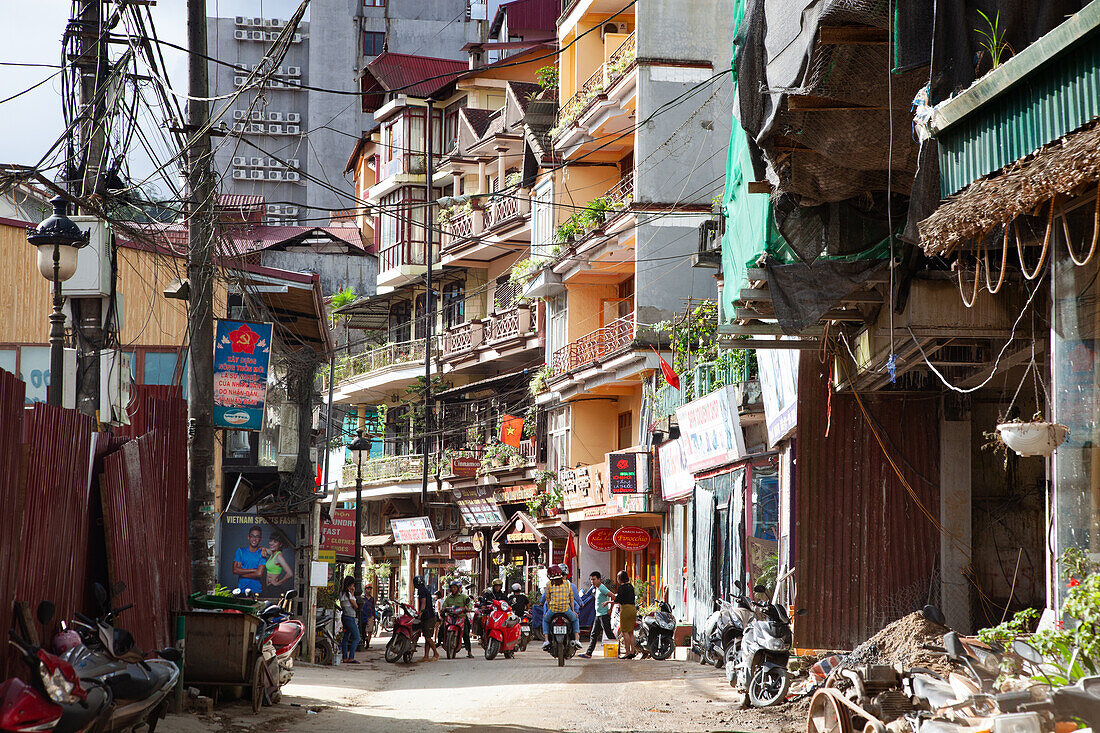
x,y
242,352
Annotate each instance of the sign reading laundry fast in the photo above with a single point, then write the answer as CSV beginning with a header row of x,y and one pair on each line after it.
x,y
242,352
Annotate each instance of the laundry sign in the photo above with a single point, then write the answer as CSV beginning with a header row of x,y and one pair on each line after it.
x,y
242,352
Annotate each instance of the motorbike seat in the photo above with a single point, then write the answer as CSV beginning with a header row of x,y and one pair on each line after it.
x,y
937,693
285,633
138,682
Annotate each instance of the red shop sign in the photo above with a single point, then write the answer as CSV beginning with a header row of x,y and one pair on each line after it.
x,y
339,534
631,539
601,539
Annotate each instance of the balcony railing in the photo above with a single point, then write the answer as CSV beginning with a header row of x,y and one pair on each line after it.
x,y
505,208
699,382
401,352
510,323
593,346
602,79
401,254
387,468
529,449
502,325
462,226
463,337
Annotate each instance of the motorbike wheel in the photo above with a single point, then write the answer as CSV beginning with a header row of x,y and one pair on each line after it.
x,y
523,644
713,658
561,654
387,623
492,646
450,644
662,647
397,648
768,686
325,652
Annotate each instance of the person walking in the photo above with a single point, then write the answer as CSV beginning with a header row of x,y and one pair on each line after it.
x,y
425,607
625,599
601,627
349,616
367,615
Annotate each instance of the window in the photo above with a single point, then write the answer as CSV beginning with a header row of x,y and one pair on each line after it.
x,y
556,334
542,220
557,439
454,305
419,319
374,43
626,439
400,325
450,125
160,368
374,3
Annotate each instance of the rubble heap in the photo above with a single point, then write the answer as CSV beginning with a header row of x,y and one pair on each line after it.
x,y
901,643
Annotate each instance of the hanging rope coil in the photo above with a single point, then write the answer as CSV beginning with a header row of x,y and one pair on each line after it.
x,y
1004,264
977,276
1095,233
1046,246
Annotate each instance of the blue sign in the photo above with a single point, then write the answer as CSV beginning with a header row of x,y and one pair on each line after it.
x,y
241,355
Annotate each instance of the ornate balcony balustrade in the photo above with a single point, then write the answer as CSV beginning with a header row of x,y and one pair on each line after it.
x,y
593,346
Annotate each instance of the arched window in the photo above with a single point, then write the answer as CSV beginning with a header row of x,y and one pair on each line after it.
x,y
454,304
400,321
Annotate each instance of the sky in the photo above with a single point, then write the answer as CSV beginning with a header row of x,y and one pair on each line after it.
x,y
31,33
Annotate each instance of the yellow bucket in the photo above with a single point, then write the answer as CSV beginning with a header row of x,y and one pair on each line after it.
x,y
611,651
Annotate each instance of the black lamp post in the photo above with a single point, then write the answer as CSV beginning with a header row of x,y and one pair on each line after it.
x,y
58,239
360,448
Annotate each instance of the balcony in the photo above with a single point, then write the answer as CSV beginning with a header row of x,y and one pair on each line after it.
x,y
594,346
389,469
704,379
617,66
505,210
374,376
460,227
463,338
501,335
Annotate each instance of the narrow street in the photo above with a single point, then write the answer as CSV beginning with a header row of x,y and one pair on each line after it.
x,y
529,693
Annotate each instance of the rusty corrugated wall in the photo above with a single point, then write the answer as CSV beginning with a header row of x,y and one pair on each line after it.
x,y
12,494
864,552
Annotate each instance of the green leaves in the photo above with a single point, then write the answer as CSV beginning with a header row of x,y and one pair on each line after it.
x,y
993,38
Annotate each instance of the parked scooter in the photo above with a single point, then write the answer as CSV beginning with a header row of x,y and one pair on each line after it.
x,y
387,614
561,638
761,671
723,629
56,699
655,631
406,634
454,628
502,630
325,651
284,633
525,631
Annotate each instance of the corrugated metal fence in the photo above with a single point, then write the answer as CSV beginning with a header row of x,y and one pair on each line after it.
x,y
51,544
865,554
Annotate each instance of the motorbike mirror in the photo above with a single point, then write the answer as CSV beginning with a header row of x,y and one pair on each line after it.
x,y
45,612
759,589
236,591
954,646
100,594
934,615
800,612
292,593
739,586
1027,651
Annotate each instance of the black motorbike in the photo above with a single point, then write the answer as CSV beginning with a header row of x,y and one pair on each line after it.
x,y
561,638
325,650
655,632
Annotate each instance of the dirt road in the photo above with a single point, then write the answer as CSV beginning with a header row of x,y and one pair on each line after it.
x,y
527,694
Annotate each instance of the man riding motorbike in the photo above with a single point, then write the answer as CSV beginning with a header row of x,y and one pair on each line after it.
x,y
560,597
518,600
495,592
455,598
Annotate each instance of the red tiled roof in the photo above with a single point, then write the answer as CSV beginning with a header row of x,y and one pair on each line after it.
x,y
416,76
240,201
239,239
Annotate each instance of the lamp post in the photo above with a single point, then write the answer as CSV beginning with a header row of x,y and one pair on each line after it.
x,y
359,448
57,239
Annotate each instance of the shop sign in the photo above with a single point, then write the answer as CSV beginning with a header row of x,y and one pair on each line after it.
x,y
600,539
412,531
463,550
627,474
779,385
241,354
480,513
252,542
515,538
339,534
676,481
479,542
517,494
631,539
328,556
710,430
465,466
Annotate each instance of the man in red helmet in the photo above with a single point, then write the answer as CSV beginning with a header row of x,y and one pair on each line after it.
x,y
560,597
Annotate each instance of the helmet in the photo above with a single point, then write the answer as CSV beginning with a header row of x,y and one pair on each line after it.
x,y
497,581
517,587
554,571
455,584
564,570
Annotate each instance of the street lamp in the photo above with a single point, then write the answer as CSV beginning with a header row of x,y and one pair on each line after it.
x,y
57,240
360,449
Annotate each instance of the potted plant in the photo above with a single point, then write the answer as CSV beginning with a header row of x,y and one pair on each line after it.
x,y
1036,437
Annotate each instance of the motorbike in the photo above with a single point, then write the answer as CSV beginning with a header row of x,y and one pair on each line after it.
x,y
760,673
56,699
406,634
326,641
654,635
561,638
386,615
723,629
525,631
454,625
284,633
502,630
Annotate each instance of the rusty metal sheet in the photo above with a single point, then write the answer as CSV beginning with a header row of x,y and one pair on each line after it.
x,y
12,494
865,554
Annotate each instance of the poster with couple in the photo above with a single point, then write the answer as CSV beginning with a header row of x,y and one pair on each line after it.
x,y
258,553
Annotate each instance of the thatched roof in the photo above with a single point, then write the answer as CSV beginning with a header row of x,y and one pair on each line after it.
x,y
1061,167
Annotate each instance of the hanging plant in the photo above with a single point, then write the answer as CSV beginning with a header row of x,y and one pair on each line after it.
x,y
1037,437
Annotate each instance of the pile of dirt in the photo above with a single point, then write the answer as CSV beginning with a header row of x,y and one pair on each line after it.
x,y
901,642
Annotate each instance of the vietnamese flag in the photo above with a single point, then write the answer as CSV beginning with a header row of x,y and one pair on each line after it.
x,y
671,377
511,430
570,553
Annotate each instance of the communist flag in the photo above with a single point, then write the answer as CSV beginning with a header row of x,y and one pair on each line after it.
x,y
511,430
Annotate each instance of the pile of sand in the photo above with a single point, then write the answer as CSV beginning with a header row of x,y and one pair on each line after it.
x,y
901,643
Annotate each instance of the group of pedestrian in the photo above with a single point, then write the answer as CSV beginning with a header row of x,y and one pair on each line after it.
x,y
605,600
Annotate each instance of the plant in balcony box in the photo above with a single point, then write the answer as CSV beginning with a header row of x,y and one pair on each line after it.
x,y
538,382
547,77
513,179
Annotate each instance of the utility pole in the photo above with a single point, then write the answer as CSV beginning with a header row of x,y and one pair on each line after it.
x,y
200,306
429,305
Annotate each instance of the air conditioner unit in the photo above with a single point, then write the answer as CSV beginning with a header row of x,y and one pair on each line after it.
x,y
614,28
272,163
291,210
275,84
258,35
256,127
240,35
293,117
238,127
297,38
238,81
275,129
276,22
238,160
239,174
275,116
272,36
257,21
292,162
257,116
274,175
281,71
291,129
241,20
292,176
295,70
255,174
239,114
257,162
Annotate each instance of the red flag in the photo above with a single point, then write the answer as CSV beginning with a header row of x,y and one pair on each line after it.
x,y
671,377
511,430
570,552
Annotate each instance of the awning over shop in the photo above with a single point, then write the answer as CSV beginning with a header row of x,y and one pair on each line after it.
x,y
377,540
1063,167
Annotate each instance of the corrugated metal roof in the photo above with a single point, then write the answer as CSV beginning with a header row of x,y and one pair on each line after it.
x,y
415,76
241,201
1054,98
531,15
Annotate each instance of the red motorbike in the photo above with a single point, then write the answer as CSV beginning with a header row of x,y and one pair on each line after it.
x,y
406,634
454,626
502,630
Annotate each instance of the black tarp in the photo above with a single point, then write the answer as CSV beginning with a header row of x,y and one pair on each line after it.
x,y
802,293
